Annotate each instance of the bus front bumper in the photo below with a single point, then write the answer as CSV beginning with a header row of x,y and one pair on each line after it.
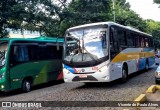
x,y
93,77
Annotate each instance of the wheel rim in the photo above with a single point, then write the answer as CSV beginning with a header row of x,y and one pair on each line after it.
x,y
28,86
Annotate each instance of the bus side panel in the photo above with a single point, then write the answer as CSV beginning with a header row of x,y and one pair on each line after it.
x,y
135,58
149,54
41,72
50,71
142,63
20,71
115,71
55,70
151,61
132,65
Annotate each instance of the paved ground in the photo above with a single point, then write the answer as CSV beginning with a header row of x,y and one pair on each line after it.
x,y
114,91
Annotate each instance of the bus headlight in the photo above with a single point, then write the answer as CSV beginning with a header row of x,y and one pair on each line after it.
x,y
2,76
102,69
2,86
156,74
65,71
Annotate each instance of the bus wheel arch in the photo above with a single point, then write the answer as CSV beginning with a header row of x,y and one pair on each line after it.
x,y
124,72
26,84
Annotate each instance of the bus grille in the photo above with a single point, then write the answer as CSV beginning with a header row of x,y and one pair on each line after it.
x,y
89,78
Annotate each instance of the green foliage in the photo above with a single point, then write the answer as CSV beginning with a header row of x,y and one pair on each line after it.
x,y
29,14
154,28
127,17
85,11
53,19
5,15
157,1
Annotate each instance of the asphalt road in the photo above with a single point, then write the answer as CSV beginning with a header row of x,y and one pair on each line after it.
x,y
78,91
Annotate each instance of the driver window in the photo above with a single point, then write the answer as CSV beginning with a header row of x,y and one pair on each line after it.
x,y
103,39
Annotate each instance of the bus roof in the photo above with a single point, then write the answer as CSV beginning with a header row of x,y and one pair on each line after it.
x,y
109,24
41,38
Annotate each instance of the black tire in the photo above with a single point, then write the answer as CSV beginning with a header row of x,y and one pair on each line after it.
x,y
124,74
146,66
157,81
26,86
88,83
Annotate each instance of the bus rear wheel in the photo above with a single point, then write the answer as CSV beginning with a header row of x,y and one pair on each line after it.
x,y
26,86
147,66
124,74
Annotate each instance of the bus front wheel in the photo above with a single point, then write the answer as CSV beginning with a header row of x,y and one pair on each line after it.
x,y
157,81
26,85
124,74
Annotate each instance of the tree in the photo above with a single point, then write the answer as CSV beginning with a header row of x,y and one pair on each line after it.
x,y
127,17
157,1
6,16
53,18
42,15
89,11
153,28
85,11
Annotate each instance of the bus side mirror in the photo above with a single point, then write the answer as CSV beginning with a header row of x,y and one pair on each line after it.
x,y
57,46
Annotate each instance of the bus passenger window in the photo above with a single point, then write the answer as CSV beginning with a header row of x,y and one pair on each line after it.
x,y
21,53
146,42
136,40
142,41
121,37
150,42
18,54
130,40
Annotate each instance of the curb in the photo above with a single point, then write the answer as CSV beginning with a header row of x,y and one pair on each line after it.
x,y
141,98
151,89
158,87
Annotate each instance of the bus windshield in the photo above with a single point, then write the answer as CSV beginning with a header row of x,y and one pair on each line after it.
x,y
3,52
86,44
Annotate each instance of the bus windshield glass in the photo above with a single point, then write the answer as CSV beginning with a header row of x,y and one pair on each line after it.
x,y
86,44
3,52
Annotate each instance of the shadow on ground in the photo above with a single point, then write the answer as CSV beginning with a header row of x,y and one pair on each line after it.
x,y
40,86
112,83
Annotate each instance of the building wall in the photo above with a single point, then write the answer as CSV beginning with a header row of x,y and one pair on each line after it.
x,y
26,33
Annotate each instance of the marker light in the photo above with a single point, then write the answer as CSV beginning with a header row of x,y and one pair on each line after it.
x,y
2,86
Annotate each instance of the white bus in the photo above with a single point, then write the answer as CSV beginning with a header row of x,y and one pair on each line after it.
x,y
105,51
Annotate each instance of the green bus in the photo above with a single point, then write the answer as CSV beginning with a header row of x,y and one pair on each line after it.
x,y
27,62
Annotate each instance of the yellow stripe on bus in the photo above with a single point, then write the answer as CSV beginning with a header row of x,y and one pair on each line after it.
x,y
131,56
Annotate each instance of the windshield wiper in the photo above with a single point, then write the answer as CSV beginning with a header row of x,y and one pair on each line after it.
x,y
80,52
90,55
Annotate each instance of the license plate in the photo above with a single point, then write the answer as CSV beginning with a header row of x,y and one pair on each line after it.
x,y
83,76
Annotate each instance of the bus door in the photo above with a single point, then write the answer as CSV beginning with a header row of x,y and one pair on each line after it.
x,y
21,65
18,55
114,48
